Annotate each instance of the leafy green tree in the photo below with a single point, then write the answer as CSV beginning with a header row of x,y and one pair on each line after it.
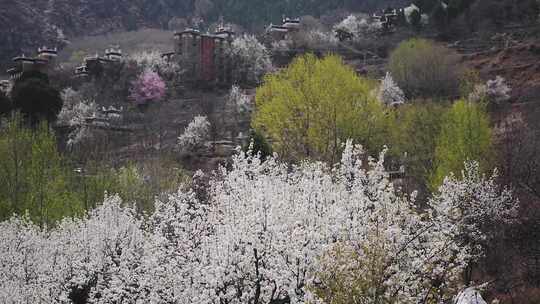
x,y
424,68
311,108
33,175
465,135
419,128
35,98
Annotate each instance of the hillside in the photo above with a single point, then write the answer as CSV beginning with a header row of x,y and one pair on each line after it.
x,y
26,24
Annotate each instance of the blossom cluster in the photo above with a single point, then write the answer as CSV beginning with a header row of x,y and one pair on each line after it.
x,y
149,87
240,101
154,61
265,232
252,59
359,27
74,114
494,91
195,134
389,92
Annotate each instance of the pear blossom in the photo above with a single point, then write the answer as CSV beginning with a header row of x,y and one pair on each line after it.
x,y
74,114
251,59
262,232
389,92
195,134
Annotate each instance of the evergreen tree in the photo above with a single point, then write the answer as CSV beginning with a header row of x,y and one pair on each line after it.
x,y
35,98
5,104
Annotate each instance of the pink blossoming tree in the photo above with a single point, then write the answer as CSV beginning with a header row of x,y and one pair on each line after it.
x,y
149,87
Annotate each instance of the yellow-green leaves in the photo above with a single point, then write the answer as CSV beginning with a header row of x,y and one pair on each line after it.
x,y
309,109
465,135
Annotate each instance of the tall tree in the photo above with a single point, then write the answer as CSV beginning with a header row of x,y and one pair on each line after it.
x,y
311,108
465,136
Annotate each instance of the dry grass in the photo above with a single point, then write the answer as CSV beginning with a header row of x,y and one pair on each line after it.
x,y
129,42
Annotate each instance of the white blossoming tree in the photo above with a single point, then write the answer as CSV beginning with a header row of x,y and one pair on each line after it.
x,y
474,205
251,59
359,27
494,91
267,232
195,134
74,114
239,100
153,60
497,90
389,92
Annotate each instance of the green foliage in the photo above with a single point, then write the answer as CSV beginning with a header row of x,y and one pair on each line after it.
x,y
33,177
419,128
348,276
139,184
35,98
423,68
311,108
465,135
468,82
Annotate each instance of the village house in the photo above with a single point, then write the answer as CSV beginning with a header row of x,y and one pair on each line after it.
x,y
283,31
93,64
44,61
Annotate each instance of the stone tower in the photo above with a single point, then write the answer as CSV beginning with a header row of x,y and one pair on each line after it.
x,y
204,56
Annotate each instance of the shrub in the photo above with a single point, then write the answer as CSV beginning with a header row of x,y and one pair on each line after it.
x,y
423,68
35,98
311,108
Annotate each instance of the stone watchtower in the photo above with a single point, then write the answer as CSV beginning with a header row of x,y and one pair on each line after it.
x,y
187,48
224,38
204,56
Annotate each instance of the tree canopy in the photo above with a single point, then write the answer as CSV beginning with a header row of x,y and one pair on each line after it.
x,y
35,98
465,136
312,107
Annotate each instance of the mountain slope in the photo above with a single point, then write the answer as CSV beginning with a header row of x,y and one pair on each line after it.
x,y
26,24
